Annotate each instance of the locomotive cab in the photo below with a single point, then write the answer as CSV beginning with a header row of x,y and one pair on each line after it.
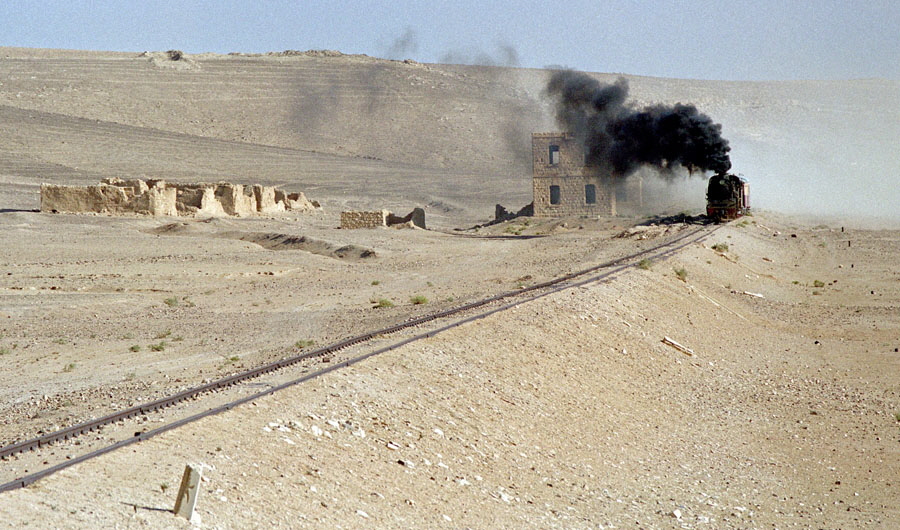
x,y
727,197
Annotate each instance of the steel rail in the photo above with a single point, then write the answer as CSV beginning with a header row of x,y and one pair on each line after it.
x,y
550,287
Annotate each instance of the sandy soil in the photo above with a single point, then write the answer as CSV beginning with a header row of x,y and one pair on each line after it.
x,y
569,412
566,412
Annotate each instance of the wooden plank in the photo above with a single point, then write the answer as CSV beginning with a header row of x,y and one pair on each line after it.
x,y
187,493
679,347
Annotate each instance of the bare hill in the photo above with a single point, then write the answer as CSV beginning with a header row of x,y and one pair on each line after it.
x,y
365,120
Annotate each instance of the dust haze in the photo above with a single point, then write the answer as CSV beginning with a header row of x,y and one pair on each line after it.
x,y
819,148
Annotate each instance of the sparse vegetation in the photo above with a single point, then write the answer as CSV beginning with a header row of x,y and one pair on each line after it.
x,y
130,376
796,282
171,301
384,302
164,334
234,358
681,273
515,230
376,282
301,344
160,346
418,299
127,336
818,284
60,341
69,367
135,348
721,248
645,264
4,351
816,293
897,416
163,486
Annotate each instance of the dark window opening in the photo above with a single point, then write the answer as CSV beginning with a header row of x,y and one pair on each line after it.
x,y
554,155
590,194
554,194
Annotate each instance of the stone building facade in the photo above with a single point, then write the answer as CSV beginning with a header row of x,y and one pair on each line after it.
x,y
563,184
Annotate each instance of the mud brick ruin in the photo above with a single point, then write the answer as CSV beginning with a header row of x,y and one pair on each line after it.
x,y
116,196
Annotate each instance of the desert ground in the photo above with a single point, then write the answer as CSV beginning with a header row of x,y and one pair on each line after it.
x,y
564,412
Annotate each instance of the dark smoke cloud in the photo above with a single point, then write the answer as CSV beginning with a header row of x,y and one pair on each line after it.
x,y
620,138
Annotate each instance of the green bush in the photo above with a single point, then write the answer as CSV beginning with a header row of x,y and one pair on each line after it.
x,y
418,299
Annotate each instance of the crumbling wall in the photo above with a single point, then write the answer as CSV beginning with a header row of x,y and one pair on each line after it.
x,y
378,218
160,198
364,219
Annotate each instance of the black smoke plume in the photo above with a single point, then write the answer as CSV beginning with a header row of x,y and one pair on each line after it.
x,y
620,139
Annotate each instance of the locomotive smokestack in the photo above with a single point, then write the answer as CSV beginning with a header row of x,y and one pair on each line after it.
x,y
619,138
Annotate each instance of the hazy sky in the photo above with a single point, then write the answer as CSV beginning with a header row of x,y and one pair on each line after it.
x,y
727,39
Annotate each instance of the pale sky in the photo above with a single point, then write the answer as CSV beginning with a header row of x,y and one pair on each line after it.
x,y
701,39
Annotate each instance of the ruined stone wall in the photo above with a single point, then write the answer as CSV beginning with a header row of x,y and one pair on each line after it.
x,y
415,218
160,198
364,219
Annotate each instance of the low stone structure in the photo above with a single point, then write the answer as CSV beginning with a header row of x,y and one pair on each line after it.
x,y
116,196
374,219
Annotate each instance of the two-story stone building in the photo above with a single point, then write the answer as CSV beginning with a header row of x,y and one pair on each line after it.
x,y
563,184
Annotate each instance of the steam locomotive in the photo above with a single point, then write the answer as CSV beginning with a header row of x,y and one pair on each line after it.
x,y
727,197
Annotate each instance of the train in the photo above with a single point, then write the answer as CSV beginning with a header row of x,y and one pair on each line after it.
x,y
727,197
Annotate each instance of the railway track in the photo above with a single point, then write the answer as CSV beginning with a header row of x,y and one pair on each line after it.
x,y
468,312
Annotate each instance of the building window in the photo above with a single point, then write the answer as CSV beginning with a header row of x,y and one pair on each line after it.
x,y
554,155
621,194
590,194
554,194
